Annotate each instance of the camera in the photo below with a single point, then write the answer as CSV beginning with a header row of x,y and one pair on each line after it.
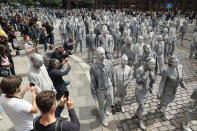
x,y
66,94
32,84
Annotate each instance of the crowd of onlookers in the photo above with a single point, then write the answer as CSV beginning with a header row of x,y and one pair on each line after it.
x,y
21,112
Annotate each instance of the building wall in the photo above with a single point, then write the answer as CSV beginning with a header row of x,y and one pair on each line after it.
x,y
69,4
182,5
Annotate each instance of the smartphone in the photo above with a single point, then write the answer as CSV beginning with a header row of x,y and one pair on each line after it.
x,y
66,94
32,84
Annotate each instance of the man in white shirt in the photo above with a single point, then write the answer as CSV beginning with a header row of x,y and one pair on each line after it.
x,y
19,111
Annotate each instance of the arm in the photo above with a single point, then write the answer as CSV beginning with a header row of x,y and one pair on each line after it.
x,y
74,125
34,108
59,73
162,83
93,83
58,111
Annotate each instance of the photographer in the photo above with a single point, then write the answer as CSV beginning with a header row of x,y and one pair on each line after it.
x,y
56,76
59,53
19,111
50,119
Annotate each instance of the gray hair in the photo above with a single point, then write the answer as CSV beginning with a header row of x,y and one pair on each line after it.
x,y
53,62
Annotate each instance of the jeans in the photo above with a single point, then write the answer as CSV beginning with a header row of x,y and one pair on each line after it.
x,y
67,82
45,46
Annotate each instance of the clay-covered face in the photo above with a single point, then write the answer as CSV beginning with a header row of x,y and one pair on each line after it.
x,y
124,62
37,61
129,41
174,63
140,40
148,49
151,66
101,55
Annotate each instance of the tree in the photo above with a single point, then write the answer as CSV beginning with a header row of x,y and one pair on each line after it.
x,y
85,3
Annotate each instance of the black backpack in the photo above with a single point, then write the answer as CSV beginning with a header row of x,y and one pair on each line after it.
x,y
58,124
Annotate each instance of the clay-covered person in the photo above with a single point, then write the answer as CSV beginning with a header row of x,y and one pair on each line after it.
x,y
78,35
166,44
194,44
145,78
91,45
159,50
192,113
139,49
39,75
171,79
183,31
129,50
172,38
103,83
104,42
124,75
117,41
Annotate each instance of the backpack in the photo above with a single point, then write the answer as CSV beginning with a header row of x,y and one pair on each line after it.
x,y
58,124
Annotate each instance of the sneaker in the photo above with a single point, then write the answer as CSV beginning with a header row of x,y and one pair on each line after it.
x,y
107,113
142,125
186,128
105,123
165,116
122,109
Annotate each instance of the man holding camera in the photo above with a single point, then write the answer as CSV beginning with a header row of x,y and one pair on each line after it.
x,y
56,76
50,119
19,111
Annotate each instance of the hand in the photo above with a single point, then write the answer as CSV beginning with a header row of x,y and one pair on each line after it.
x,y
64,61
68,64
70,103
115,90
146,75
27,88
33,90
95,97
152,75
62,101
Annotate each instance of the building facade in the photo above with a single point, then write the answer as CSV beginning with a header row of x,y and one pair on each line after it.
x,y
182,5
69,4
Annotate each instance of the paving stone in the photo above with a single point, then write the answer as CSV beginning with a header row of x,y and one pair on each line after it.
x,y
158,124
163,128
165,123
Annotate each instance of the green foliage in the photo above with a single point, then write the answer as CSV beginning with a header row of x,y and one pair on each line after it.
x,y
85,3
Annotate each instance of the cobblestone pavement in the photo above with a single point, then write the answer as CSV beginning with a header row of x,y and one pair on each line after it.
x,y
152,116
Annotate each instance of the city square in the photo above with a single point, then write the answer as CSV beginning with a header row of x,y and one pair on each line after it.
x,y
118,61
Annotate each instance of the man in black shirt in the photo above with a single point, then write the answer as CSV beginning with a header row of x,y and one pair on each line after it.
x,y
46,102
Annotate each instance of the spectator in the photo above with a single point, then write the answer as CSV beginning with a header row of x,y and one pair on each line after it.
x,y
19,111
44,39
12,39
29,46
50,114
4,41
49,29
56,76
4,62
59,53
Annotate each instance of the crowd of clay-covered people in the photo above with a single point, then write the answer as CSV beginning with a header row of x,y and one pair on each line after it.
x,y
121,47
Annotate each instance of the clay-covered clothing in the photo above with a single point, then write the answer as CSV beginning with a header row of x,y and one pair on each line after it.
x,y
102,76
123,78
143,85
41,78
169,83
